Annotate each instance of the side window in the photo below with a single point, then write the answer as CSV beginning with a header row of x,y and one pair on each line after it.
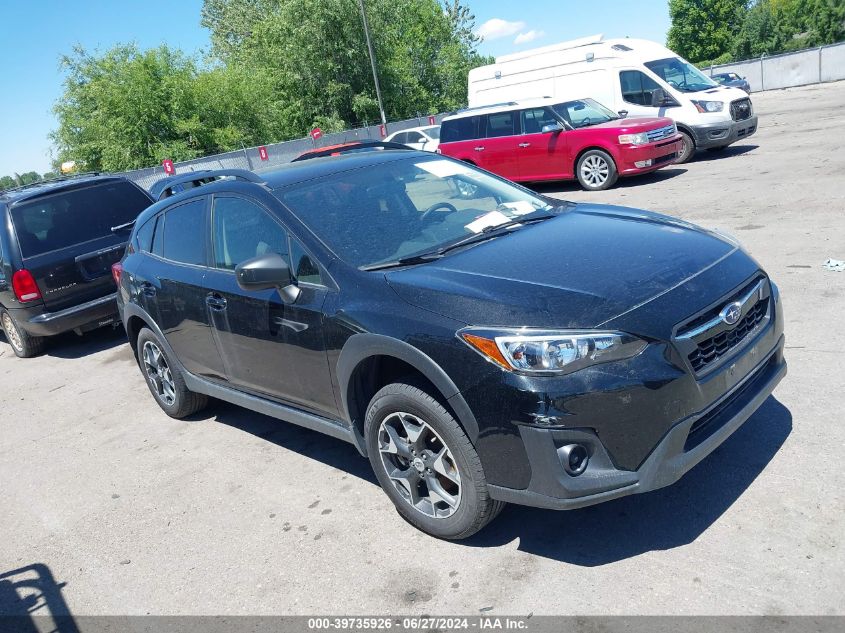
x,y
144,237
501,124
463,129
158,237
303,267
402,137
184,232
243,230
414,137
534,119
637,87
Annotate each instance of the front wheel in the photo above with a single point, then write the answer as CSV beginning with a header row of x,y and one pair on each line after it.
x,y
426,464
596,170
687,150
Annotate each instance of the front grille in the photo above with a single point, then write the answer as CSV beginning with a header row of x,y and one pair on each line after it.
x,y
660,133
741,109
712,349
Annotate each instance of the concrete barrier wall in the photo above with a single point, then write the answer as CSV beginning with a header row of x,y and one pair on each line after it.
x,y
800,68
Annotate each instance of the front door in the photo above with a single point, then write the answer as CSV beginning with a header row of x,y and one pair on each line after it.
x,y
267,346
542,156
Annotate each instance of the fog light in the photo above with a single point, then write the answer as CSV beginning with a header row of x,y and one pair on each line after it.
x,y
643,163
574,458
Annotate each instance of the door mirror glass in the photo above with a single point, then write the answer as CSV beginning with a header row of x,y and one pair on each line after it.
x,y
552,127
265,272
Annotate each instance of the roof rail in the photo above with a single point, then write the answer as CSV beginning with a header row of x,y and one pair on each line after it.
x,y
48,181
163,188
351,146
484,107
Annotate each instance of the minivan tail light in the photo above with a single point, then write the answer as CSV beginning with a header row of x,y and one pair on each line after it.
x,y
23,283
116,272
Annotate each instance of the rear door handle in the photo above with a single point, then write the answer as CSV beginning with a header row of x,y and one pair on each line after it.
x,y
480,148
215,301
148,289
525,144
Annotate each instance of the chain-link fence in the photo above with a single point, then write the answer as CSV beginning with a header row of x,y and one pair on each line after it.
x,y
277,153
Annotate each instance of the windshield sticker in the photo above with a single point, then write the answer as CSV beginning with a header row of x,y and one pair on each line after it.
x,y
444,168
519,207
494,218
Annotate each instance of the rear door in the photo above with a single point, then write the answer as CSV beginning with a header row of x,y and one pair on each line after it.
x,y
66,240
498,151
171,285
267,346
542,155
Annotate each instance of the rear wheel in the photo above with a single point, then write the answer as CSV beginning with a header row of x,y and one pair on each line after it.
x,y
23,344
165,380
426,464
687,150
596,170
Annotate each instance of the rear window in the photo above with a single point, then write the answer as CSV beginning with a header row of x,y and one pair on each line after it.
x,y
73,217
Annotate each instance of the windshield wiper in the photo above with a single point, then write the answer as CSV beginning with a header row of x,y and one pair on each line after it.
x,y
123,227
405,261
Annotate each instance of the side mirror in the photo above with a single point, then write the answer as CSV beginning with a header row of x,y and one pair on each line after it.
x,y
622,114
265,272
658,97
551,127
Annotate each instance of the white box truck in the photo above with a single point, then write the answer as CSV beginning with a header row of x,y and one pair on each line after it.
x,y
633,77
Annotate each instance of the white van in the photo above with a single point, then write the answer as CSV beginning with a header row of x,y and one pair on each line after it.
x,y
632,77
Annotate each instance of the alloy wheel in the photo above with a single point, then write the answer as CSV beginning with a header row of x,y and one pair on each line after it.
x,y
158,373
595,170
419,464
12,332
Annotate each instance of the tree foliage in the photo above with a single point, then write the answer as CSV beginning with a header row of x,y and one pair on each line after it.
x,y
703,29
277,68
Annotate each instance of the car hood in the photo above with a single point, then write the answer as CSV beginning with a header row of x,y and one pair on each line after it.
x,y
578,270
631,124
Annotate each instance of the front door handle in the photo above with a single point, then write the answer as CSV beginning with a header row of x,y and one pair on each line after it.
x,y
215,301
480,148
525,144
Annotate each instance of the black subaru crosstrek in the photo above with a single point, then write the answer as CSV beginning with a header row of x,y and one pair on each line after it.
x,y
479,343
57,246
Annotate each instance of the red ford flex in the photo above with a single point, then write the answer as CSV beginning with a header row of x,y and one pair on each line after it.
x,y
547,140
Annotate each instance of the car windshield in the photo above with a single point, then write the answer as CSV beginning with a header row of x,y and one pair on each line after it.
x,y
433,132
584,112
404,208
681,75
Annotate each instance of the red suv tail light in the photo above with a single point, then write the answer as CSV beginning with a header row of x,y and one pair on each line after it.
x,y
116,272
23,283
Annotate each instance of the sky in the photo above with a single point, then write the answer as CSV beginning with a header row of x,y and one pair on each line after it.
x,y
34,34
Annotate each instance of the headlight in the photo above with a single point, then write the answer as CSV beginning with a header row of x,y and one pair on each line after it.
x,y
708,106
550,352
633,139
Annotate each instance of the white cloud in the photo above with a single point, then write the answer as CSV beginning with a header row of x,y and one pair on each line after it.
x,y
528,36
495,28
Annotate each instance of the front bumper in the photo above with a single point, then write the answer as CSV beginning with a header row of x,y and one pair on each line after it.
x,y
724,132
661,153
86,316
682,447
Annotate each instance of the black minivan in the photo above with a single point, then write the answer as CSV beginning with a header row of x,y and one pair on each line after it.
x,y
479,343
58,241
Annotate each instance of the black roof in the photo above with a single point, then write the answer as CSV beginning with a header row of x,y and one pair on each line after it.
x,y
47,187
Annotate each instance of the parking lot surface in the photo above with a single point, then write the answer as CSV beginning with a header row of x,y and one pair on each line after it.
x,y
237,513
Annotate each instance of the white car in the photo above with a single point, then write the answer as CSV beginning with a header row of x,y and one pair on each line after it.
x,y
425,138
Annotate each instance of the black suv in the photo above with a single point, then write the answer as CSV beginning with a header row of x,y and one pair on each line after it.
x,y
57,246
479,343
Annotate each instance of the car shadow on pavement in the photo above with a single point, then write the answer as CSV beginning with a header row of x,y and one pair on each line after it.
x,y
659,520
565,186
72,346
324,448
703,156
31,600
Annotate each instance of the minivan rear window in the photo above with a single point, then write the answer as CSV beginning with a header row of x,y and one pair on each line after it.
x,y
73,217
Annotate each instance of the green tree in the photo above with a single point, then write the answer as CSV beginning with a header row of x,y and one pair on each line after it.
x,y
29,177
7,182
704,29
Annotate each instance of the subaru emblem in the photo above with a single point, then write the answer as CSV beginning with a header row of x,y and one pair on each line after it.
x,y
730,313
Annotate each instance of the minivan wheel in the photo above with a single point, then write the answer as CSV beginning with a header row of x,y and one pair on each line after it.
x,y
165,380
426,464
687,150
596,170
23,344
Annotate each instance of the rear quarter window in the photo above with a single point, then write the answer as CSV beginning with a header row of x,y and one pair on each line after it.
x,y
72,217
462,129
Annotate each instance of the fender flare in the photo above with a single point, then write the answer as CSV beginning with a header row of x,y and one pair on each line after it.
x,y
132,310
360,347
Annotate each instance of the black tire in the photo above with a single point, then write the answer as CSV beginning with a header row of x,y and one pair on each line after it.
x,y
22,343
596,170
167,384
688,149
717,149
473,508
